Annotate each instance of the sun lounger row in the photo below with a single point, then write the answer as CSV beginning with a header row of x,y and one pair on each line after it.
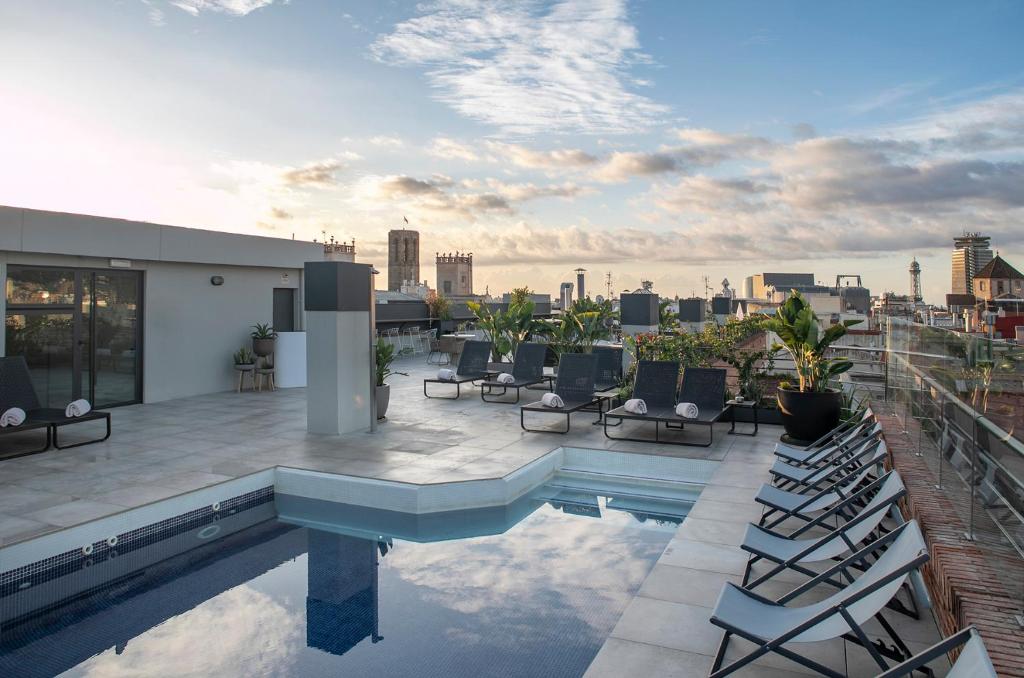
x,y
18,394
852,545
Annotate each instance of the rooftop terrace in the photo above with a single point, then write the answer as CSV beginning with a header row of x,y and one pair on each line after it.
x,y
171,448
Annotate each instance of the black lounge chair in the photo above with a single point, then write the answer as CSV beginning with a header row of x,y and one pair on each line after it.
x,y
656,384
16,390
472,367
609,367
702,386
574,385
527,370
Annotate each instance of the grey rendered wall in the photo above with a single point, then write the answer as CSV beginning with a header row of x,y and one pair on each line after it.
x,y
192,327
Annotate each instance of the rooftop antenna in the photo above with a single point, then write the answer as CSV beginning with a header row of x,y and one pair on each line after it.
x,y
707,288
608,283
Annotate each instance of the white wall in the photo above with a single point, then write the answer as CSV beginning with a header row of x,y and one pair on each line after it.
x,y
192,327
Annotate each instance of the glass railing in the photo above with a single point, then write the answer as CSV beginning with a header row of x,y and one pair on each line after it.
x,y
960,400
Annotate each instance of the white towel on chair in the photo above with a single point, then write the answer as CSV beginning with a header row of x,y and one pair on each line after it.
x,y
505,378
687,410
13,417
635,406
551,400
77,408
445,374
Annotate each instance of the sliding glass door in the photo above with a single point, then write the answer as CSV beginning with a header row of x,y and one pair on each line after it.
x,y
79,331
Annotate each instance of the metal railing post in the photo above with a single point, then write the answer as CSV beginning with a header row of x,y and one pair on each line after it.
x,y
974,474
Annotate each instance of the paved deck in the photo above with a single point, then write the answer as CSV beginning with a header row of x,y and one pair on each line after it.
x,y
163,449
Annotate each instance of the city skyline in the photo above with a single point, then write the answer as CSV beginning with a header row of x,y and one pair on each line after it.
x,y
653,140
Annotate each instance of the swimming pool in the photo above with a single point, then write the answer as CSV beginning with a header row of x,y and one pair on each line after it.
x,y
302,587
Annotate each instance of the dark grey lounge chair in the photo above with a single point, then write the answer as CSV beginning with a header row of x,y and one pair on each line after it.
x,y
16,390
574,385
472,367
527,370
703,386
609,367
776,626
656,383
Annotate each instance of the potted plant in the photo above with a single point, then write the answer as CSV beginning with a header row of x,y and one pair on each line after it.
x,y
440,308
385,356
809,408
243,358
263,339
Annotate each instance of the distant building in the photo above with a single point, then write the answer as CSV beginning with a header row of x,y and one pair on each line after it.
x,y
403,257
915,281
420,290
455,274
565,295
971,253
757,285
340,251
998,279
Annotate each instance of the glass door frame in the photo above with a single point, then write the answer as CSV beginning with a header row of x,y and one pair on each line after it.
x,y
84,328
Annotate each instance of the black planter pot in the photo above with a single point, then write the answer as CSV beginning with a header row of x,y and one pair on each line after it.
x,y
808,415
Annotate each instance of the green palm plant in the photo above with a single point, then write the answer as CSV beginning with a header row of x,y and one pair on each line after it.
x,y
797,325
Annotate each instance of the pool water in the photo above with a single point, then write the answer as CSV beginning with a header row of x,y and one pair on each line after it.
x,y
305,588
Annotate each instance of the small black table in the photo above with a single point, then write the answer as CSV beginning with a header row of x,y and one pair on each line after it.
x,y
750,404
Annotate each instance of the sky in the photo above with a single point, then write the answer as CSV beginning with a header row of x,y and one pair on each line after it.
x,y
649,139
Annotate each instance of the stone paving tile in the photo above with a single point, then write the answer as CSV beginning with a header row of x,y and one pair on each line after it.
x,y
74,512
619,658
677,626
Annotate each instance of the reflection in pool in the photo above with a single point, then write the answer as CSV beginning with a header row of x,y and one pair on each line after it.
x,y
529,589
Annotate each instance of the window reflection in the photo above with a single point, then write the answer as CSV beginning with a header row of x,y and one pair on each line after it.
x,y
40,286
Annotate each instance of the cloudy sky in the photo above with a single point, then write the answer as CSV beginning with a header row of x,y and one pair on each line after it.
x,y
653,139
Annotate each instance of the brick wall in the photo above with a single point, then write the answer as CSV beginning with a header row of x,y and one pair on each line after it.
x,y
964,577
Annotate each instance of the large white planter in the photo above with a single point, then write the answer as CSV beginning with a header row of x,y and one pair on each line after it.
x,y
290,360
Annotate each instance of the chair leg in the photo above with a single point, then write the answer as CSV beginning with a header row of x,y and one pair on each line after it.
x,y
84,442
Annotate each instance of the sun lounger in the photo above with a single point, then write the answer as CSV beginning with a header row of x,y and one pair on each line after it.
x,y
527,370
574,385
776,626
472,367
16,390
973,661
803,504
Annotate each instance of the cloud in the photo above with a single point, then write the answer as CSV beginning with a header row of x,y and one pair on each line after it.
x,y
384,141
534,159
317,174
233,7
888,97
526,68
154,13
452,149
621,166
278,213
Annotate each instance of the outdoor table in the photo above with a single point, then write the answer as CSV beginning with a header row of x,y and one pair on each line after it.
x,y
733,406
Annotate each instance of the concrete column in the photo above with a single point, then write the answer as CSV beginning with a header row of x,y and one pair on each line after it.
x,y
339,360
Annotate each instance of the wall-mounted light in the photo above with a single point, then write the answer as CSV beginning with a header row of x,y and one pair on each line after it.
x,y
217,280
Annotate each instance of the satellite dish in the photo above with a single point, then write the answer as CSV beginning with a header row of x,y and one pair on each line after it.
x,y
599,298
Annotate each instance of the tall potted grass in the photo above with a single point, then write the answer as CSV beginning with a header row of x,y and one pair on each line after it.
x,y
810,408
385,357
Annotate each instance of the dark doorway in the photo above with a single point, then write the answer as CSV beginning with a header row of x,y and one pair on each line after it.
x,y
284,309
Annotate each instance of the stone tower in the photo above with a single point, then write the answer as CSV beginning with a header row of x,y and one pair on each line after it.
x,y
403,258
455,274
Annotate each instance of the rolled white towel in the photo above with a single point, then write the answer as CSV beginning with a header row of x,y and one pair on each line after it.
x,y
13,417
635,406
505,378
551,400
445,374
687,410
77,408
